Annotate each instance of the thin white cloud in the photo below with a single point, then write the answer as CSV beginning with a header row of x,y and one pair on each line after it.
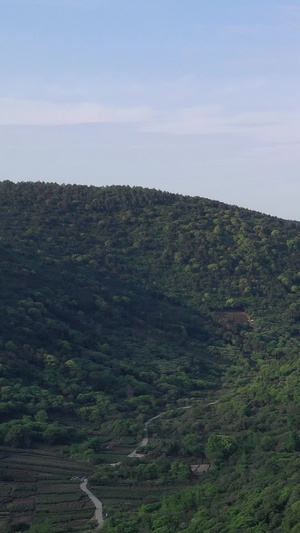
x,y
206,120
265,127
211,120
25,112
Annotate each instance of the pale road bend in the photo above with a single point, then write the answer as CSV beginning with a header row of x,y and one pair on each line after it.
x,y
98,505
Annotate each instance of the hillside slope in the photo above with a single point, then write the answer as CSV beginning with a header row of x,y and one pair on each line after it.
x,y
119,302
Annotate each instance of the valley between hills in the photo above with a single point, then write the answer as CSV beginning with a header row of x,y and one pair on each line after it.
x,y
120,304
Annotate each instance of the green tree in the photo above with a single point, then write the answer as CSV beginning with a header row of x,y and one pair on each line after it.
x,y
220,447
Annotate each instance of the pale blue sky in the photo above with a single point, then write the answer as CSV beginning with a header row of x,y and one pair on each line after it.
x,y
199,97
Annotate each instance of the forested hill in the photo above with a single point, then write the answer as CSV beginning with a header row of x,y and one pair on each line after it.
x,y
118,303
202,252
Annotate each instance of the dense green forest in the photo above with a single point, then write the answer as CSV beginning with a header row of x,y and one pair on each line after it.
x,y
120,303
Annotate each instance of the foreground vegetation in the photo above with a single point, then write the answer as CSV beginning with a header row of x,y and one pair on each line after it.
x,y
120,303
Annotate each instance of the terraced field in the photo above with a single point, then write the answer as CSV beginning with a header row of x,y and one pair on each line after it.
x,y
128,498
41,484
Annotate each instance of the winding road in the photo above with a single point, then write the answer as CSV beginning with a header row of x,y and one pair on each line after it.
x,y
146,437
97,503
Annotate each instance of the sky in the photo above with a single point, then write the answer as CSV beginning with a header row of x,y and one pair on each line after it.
x,y
198,97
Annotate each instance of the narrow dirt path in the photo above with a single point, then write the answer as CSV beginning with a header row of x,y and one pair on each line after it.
x,y
95,501
146,437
